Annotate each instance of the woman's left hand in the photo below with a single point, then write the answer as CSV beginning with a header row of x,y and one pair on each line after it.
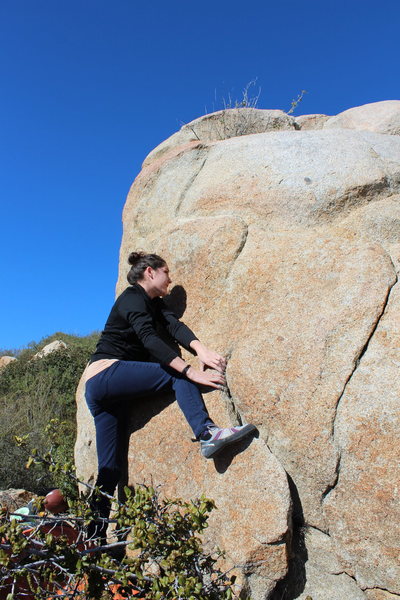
x,y
209,358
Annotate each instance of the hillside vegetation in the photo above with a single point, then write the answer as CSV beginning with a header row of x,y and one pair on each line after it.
x,y
32,392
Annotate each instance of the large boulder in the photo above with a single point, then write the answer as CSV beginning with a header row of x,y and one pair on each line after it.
x,y
284,250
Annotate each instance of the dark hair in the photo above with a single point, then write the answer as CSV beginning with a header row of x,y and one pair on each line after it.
x,y
140,261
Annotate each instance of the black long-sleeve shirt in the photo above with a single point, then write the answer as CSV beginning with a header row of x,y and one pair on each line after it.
x,y
131,330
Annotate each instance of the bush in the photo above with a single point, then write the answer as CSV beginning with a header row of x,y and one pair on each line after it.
x,y
32,392
166,559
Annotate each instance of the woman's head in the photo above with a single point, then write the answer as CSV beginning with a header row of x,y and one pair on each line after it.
x,y
151,272
139,262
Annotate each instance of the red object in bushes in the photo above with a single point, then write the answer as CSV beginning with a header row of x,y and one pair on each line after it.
x,y
55,502
21,588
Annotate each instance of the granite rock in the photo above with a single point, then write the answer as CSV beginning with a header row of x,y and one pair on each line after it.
x,y
247,483
284,250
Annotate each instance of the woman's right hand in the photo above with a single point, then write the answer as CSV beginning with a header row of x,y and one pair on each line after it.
x,y
209,378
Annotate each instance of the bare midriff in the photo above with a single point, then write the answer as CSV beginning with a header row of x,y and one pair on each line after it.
x,y
98,366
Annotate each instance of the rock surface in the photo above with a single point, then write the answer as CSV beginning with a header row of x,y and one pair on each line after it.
x,y
382,117
377,594
248,484
363,508
85,447
324,577
287,244
222,125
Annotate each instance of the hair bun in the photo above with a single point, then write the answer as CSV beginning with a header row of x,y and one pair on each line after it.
x,y
134,257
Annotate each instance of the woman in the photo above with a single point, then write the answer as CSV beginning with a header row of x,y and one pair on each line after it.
x,y
123,369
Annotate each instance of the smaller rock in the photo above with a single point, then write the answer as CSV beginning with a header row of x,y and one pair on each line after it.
x,y
6,360
381,117
49,348
15,498
224,124
311,121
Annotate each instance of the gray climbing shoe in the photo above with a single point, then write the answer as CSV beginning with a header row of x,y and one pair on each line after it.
x,y
220,438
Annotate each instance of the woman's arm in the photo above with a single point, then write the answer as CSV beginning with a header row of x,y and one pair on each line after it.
x,y
178,330
208,358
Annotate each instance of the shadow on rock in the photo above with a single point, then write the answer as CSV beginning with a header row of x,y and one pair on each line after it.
x,y
147,409
176,300
291,586
224,460
135,417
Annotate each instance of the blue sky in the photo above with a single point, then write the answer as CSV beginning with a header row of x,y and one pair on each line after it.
x,y
90,87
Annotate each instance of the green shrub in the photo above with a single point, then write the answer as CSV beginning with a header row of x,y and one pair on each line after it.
x,y
32,392
166,558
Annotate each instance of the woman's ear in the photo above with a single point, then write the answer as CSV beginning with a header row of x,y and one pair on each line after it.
x,y
149,271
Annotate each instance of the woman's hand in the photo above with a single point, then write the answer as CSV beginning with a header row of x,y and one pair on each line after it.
x,y
215,378
209,358
212,379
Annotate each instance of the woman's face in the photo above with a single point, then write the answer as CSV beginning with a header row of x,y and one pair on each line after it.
x,y
160,281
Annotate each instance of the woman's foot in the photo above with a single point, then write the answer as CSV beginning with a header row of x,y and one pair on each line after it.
x,y
215,439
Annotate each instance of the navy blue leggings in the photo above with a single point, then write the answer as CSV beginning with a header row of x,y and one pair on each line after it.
x,y
108,394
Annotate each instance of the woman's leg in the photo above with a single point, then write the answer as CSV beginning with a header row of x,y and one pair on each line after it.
x,y
137,379
105,395
111,431
191,403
